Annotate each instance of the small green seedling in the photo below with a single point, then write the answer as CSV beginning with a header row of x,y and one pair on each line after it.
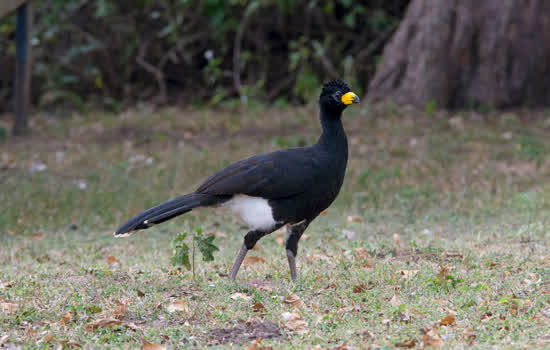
x,y
205,244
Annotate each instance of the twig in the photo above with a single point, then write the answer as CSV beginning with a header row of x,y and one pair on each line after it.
x,y
112,76
157,73
193,255
237,49
180,45
374,45
329,67
282,84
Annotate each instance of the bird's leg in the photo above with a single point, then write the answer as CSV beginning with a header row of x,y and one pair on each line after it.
x,y
249,241
294,233
238,262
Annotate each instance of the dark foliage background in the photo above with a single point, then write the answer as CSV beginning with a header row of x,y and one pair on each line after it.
x,y
115,52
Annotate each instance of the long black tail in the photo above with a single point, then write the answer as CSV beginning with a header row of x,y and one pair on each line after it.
x,y
168,210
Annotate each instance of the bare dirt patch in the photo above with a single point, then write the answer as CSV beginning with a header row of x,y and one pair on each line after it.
x,y
244,332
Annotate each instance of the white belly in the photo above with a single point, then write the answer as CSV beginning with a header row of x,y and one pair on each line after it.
x,y
254,211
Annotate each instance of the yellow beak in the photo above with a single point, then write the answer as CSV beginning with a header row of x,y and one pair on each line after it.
x,y
350,98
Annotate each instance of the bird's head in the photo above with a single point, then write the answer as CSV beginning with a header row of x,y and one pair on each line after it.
x,y
336,96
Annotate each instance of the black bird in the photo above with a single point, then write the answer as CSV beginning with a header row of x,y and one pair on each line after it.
x,y
287,187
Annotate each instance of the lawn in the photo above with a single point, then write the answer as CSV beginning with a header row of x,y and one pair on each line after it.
x,y
440,236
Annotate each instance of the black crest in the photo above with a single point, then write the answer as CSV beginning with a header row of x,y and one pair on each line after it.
x,y
336,85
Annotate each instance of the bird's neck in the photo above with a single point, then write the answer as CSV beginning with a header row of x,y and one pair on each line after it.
x,y
333,135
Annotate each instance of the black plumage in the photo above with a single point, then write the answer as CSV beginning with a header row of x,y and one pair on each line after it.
x,y
287,187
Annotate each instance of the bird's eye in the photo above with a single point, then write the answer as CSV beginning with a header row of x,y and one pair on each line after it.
x,y
337,96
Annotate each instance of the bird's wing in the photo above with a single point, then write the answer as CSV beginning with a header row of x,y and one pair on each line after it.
x,y
274,175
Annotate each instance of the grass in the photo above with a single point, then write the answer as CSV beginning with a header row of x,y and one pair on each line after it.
x,y
450,216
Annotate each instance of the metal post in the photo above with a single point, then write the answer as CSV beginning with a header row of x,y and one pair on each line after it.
x,y
22,68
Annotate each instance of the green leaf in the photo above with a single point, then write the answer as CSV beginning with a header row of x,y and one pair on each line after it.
x,y
206,246
181,255
180,238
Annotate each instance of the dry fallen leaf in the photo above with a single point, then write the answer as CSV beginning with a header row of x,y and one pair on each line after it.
x,y
409,344
451,311
296,323
257,345
65,344
294,300
443,273
532,278
218,234
451,255
360,288
349,235
145,345
368,265
258,307
408,274
349,309
469,335
397,240
111,260
353,218
344,346
324,212
250,260
395,301
178,305
448,320
362,252
241,296
38,235
4,339
6,285
280,237
9,308
102,323
46,339
432,338
66,318
262,285
315,257
122,308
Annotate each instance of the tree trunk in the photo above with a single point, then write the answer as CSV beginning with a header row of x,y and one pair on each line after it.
x,y
466,52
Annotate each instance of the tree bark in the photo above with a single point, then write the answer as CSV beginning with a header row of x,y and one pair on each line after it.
x,y
466,53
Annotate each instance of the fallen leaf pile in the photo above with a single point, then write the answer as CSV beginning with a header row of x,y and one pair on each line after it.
x,y
258,307
112,260
296,323
145,345
448,320
257,345
432,338
362,253
9,307
177,306
241,296
251,260
103,323
293,300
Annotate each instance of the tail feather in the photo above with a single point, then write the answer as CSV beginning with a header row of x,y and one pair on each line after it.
x,y
168,210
